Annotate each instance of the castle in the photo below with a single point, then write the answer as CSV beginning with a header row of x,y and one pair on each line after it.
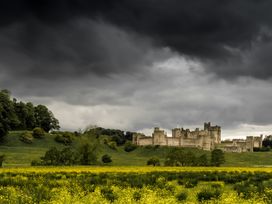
x,y
207,139
204,139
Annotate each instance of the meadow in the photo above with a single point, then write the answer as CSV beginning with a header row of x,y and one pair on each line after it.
x,y
82,184
244,178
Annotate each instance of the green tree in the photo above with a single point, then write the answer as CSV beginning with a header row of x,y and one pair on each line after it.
x,y
21,112
8,117
202,160
51,157
87,153
154,161
45,118
217,157
30,118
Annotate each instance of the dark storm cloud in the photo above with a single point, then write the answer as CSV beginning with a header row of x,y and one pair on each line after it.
x,y
206,30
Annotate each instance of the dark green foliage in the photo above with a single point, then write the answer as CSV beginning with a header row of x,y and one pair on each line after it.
x,y
137,195
26,137
208,194
117,136
23,116
262,149
202,160
56,157
245,189
106,158
267,142
45,118
87,153
182,196
179,157
129,146
2,159
154,161
8,118
108,194
190,182
217,157
38,132
112,145
65,138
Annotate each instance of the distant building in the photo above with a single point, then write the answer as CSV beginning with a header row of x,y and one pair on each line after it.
x,y
242,145
205,139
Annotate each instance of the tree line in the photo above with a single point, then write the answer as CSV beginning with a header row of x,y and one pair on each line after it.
x,y
17,115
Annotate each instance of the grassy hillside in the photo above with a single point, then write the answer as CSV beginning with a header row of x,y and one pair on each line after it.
x,y
21,154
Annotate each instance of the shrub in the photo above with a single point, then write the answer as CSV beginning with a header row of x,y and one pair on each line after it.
x,y
106,158
182,196
64,138
217,157
108,194
26,137
154,161
208,194
38,132
129,146
137,195
112,145
190,183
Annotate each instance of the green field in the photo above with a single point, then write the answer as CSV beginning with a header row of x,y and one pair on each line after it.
x,y
21,154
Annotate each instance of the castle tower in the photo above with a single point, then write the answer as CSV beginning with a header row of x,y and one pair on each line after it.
x,y
159,137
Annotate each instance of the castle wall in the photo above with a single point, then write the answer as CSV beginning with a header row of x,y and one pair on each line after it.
x,y
173,141
145,141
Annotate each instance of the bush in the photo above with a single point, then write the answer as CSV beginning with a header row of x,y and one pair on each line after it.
x,y
65,138
182,196
208,194
112,145
129,146
106,158
154,161
26,137
190,183
137,195
108,194
38,132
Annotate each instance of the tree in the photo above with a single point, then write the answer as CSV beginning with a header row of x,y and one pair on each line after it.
x,y
106,158
87,154
8,117
175,157
30,118
45,118
154,161
202,160
129,146
217,157
51,157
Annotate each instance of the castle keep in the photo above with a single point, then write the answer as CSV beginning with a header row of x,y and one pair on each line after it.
x,y
205,139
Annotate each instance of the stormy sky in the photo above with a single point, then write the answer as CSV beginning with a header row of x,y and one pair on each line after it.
x,y
136,64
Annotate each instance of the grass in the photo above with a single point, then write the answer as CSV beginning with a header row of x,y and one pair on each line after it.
x,y
21,154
